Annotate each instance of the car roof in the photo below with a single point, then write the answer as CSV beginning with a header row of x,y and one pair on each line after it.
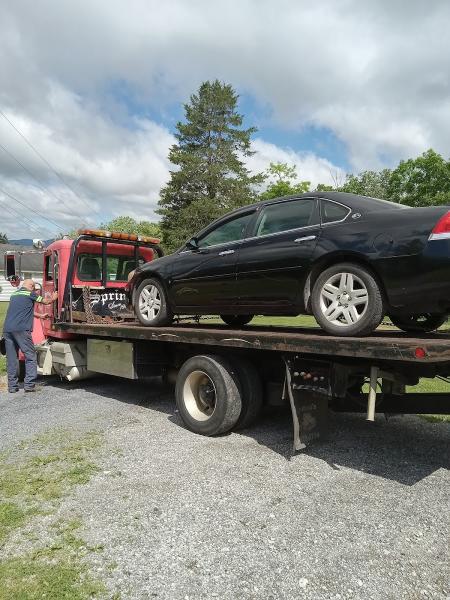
x,y
353,201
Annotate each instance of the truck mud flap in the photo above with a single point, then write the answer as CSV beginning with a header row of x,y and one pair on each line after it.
x,y
307,385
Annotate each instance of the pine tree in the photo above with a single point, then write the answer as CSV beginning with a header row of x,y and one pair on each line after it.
x,y
211,178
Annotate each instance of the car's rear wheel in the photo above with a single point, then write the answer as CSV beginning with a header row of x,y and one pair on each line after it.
x,y
150,304
236,320
419,323
346,300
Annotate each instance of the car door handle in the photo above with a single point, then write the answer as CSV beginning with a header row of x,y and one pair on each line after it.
x,y
307,238
225,252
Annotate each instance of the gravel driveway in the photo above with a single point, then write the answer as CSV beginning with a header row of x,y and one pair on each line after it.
x,y
364,515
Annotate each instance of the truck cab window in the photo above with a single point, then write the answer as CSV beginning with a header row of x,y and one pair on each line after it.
x,y
89,267
48,268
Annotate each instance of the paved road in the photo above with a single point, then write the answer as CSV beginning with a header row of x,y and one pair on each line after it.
x,y
364,515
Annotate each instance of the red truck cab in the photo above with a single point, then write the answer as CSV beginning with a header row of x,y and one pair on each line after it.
x,y
98,263
99,260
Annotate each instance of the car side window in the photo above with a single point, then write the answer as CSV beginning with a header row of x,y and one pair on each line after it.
x,y
231,231
284,216
332,212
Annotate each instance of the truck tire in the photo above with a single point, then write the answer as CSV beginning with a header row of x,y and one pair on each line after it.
x,y
208,395
236,320
252,392
150,304
346,300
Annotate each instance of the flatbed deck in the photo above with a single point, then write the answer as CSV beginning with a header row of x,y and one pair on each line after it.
x,y
380,346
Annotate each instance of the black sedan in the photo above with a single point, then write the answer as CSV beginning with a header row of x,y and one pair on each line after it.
x,y
347,259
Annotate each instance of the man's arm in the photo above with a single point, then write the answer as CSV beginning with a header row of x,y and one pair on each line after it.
x,y
42,300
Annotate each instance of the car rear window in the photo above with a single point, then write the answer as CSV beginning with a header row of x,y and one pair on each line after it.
x,y
332,212
284,216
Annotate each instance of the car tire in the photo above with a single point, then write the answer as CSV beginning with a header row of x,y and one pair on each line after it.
x,y
150,304
208,395
252,392
236,320
346,300
423,323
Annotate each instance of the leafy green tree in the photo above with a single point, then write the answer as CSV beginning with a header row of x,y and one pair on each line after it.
x,y
209,156
283,181
323,187
3,238
368,183
421,181
130,225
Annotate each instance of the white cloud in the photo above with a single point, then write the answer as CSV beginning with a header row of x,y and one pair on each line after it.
x,y
374,73
109,169
309,166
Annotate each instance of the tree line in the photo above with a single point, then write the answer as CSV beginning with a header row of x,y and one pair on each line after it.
x,y
210,176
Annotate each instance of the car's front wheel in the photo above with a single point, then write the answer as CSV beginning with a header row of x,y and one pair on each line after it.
x,y
151,305
346,300
422,323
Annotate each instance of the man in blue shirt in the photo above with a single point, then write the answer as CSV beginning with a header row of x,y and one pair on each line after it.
x,y
17,333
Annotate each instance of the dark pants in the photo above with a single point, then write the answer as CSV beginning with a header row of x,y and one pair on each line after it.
x,y
14,341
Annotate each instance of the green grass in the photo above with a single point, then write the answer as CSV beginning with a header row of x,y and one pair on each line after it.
x,y
31,578
49,475
12,517
34,477
3,309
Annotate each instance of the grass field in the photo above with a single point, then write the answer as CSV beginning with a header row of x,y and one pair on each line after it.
x,y
426,385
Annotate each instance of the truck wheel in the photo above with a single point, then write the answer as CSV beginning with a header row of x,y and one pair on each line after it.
x,y
252,392
236,320
419,323
346,300
150,304
208,395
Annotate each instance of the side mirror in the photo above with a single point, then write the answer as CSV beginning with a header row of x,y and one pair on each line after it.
x,y
192,244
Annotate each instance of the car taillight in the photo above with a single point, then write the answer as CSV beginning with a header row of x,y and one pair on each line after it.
x,y
442,228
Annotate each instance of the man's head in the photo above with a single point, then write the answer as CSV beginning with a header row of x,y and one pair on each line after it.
x,y
28,284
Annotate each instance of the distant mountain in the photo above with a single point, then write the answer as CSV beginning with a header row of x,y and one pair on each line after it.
x,y
27,242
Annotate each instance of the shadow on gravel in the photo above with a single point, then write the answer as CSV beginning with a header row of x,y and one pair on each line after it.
x,y
403,449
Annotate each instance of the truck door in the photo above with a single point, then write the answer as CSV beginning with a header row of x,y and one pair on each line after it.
x,y
49,285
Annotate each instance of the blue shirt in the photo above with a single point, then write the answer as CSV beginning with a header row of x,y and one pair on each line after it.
x,y
20,313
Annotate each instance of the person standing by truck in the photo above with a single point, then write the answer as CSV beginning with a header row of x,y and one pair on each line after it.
x,y
17,333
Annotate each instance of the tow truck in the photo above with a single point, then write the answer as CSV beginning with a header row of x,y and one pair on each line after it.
x,y
222,376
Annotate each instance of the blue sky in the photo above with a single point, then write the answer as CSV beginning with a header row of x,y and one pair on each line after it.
x,y
97,88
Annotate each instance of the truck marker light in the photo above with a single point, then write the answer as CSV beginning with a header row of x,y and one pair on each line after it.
x,y
419,353
119,235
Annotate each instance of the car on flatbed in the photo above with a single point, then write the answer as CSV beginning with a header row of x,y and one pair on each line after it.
x,y
349,260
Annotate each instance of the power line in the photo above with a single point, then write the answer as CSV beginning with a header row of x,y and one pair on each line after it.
x,y
31,209
34,177
33,224
44,160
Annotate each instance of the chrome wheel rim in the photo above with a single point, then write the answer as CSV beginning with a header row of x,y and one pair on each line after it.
x,y
199,394
149,302
344,299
